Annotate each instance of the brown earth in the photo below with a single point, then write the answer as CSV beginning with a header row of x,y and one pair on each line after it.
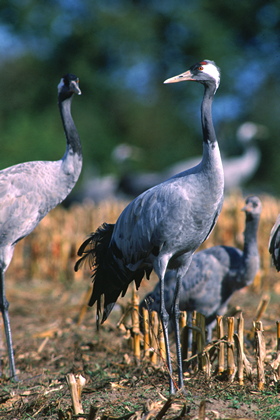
x,y
49,343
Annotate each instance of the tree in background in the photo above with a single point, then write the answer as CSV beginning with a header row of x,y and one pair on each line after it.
x,y
122,51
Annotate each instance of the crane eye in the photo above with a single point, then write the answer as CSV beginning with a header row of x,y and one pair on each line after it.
x,y
200,68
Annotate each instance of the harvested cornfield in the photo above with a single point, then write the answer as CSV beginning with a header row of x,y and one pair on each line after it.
x,y
54,335
50,251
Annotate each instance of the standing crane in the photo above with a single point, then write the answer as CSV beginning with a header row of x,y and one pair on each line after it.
x,y
274,243
214,274
30,190
163,226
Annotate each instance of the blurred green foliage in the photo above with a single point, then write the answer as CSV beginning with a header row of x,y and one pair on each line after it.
x,y
122,51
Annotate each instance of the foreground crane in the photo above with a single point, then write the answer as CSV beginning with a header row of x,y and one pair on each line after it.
x,y
30,190
163,226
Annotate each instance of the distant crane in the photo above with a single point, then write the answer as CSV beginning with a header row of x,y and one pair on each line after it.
x,y
162,227
237,169
214,274
274,243
30,190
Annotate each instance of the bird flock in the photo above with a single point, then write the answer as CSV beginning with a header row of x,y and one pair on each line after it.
x,y
159,230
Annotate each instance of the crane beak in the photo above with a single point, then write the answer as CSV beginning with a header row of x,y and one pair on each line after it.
x,y
75,87
248,207
180,77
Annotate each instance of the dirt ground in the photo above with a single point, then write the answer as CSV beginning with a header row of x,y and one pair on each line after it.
x,y
49,343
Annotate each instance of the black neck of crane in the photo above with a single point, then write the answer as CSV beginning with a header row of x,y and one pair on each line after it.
x,y
209,135
250,234
71,133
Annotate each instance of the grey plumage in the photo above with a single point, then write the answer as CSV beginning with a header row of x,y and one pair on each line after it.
x,y
214,274
164,226
28,191
274,243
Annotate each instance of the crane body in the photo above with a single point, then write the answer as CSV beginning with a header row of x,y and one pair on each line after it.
x,y
214,274
29,190
162,227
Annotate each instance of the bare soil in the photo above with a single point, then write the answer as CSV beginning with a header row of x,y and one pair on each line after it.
x,y
49,343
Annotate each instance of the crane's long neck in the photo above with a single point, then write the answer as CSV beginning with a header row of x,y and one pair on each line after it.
x,y
250,235
209,135
211,163
70,165
251,257
72,159
71,133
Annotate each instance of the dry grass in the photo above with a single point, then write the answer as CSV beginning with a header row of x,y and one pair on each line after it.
x,y
50,251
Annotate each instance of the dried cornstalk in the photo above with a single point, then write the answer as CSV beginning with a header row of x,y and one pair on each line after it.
x,y
194,333
262,307
207,363
240,349
260,353
154,326
201,326
183,319
185,342
76,385
194,337
43,344
32,255
202,410
126,312
184,335
200,319
146,331
92,412
164,409
221,351
239,359
231,368
259,313
161,342
276,362
135,323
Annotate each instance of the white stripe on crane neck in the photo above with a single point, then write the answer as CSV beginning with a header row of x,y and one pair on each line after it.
x,y
60,85
212,70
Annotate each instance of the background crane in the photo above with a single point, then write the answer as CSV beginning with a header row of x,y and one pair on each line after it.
x,y
238,169
214,274
30,190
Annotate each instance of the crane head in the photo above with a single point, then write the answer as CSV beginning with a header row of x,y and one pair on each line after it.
x,y
203,72
253,206
68,85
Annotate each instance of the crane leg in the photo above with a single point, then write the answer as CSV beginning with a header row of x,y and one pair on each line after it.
x,y
164,321
4,306
176,316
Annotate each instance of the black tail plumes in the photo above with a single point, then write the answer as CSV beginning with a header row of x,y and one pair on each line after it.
x,y
110,276
94,246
